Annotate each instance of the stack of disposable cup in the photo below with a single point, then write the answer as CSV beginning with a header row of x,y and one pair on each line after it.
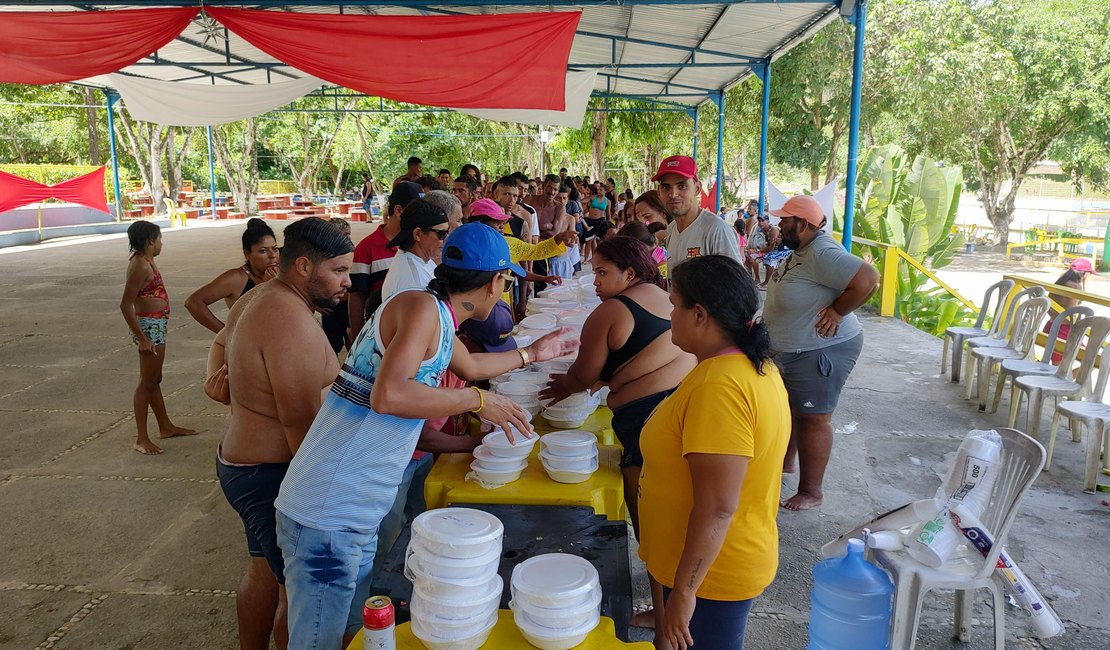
x,y
556,600
452,562
569,456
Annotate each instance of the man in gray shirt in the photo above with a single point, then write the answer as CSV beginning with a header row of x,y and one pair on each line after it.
x,y
693,232
811,298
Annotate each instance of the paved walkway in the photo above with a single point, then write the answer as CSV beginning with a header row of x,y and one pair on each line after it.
x,y
104,548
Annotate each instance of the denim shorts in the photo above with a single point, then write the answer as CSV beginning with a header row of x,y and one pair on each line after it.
x,y
718,624
251,490
327,581
814,378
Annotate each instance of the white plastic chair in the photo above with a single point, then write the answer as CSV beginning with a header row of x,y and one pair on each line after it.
x,y
1095,415
1019,345
1013,368
955,337
997,338
1061,384
1020,464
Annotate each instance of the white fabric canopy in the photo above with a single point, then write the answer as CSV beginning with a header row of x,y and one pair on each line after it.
x,y
826,196
579,86
197,104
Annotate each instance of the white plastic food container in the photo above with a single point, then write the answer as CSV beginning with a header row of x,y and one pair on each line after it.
x,y
454,589
458,532
488,460
569,443
499,445
452,568
567,418
539,321
546,638
569,477
554,580
585,463
497,478
523,392
452,608
465,639
571,616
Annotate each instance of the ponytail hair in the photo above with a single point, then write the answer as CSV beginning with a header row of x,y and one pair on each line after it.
x,y
727,291
257,229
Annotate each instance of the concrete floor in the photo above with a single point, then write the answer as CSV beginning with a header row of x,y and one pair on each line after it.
x,y
105,548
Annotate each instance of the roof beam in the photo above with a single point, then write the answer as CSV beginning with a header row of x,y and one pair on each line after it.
x,y
688,49
659,82
683,64
265,4
234,58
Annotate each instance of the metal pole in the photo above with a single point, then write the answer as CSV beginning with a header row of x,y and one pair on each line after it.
x,y
765,76
720,100
112,99
212,173
860,20
694,115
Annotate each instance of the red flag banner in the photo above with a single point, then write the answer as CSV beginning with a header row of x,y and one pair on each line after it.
x,y
451,61
46,47
87,190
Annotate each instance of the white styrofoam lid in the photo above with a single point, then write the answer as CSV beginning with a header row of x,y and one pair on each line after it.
x,y
457,526
555,575
498,439
570,438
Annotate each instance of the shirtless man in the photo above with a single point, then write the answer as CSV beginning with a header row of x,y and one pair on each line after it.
x,y
274,379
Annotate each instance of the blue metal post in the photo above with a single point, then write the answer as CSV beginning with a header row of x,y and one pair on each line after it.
x,y
764,73
112,99
860,19
720,101
212,173
694,115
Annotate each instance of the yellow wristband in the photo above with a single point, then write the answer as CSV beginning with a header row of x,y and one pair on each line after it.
x,y
481,400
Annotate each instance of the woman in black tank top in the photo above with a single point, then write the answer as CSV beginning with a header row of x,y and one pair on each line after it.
x,y
261,253
626,345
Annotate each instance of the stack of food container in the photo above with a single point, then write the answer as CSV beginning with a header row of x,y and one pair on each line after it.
x,y
569,456
556,600
498,461
452,561
573,411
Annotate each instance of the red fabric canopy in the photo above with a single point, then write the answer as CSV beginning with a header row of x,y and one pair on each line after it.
x,y
483,61
45,47
87,190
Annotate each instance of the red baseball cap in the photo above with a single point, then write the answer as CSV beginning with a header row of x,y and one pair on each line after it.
x,y
684,166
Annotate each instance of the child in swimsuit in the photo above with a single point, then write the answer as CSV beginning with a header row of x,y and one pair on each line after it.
x,y
146,309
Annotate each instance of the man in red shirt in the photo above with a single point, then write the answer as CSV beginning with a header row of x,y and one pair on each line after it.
x,y
373,257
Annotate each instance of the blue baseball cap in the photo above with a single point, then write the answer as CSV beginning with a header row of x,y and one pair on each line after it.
x,y
477,247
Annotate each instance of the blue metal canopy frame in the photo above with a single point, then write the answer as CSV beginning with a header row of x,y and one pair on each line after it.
x,y
671,93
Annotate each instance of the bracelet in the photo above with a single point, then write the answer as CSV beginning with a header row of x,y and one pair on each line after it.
x,y
481,400
523,357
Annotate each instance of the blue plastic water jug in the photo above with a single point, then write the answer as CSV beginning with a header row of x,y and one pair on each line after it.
x,y
850,605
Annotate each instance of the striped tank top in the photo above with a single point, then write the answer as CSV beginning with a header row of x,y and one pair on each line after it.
x,y
346,472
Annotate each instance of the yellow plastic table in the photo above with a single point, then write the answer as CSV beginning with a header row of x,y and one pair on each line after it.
x,y
604,491
506,636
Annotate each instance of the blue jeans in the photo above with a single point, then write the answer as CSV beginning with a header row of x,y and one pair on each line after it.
x,y
408,503
716,624
327,580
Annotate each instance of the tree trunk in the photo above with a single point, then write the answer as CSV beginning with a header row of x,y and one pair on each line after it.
x,y
174,180
597,144
147,143
366,152
240,168
837,135
814,180
313,161
92,123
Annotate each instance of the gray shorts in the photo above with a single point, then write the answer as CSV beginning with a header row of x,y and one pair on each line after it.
x,y
814,378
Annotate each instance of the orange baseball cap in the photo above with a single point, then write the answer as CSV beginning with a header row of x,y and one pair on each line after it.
x,y
802,207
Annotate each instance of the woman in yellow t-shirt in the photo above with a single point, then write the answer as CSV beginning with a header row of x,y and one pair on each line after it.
x,y
709,490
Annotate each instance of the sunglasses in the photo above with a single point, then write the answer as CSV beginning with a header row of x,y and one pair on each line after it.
x,y
440,234
508,277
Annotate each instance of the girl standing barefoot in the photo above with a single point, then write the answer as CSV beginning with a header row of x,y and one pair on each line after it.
x,y
146,309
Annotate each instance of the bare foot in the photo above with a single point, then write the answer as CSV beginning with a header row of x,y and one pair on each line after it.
x,y
801,501
175,431
147,448
644,620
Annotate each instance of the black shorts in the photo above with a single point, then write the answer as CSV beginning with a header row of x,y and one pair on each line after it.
x,y
629,420
251,491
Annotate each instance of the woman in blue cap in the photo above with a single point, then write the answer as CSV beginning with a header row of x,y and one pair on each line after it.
x,y
344,477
